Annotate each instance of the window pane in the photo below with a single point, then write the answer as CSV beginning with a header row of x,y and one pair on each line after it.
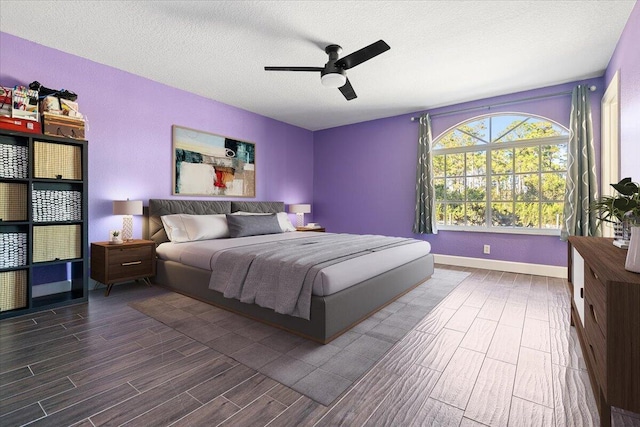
x,y
477,163
476,189
438,183
502,214
527,215
527,187
553,186
438,165
456,138
552,215
527,159
455,214
440,213
502,127
476,213
502,161
501,187
478,128
554,157
455,189
455,164
533,128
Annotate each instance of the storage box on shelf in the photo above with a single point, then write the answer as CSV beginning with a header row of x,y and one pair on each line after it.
x,y
43,222
6,98
19,125
25,104
64,126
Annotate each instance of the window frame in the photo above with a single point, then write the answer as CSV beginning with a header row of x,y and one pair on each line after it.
x,y
488,148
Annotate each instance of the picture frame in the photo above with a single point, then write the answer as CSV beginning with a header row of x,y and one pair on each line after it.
x,y
207,164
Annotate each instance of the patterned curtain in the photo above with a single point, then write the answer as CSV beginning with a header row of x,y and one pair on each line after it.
x,y
581,189
425,222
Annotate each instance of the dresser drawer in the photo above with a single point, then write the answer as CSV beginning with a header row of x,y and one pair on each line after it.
x,y
596,295
127,255
596,348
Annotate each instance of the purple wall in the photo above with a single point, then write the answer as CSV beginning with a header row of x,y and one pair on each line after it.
x,y
626,59
364,178
129,131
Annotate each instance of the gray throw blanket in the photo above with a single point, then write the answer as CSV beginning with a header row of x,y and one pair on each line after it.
x,y
279,275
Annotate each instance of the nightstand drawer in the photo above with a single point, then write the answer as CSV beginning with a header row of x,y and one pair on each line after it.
x,y
126,255
130,269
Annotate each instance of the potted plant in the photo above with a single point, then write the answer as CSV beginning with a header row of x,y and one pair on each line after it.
x,y
115,237
622,210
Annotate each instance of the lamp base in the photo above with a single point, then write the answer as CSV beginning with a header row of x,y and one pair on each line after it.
x,y
299,220
127,228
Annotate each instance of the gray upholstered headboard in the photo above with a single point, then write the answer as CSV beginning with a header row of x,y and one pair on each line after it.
x,y
159,207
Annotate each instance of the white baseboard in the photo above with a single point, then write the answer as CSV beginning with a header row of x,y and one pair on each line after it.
x,y
511,267
50,288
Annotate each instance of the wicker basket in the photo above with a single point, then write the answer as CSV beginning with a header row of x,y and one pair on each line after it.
x,y
57,161
13,250
56,205
13,289
16,208
56,242
14,161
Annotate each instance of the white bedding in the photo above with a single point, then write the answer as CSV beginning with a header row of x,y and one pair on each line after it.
x,y
332,279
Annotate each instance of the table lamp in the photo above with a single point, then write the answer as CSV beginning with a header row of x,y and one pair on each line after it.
x,y
127,208
300,210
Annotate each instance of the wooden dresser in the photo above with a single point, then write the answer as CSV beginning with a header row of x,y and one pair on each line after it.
x,y
605,311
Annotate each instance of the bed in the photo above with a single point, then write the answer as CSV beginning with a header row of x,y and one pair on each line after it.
x,y
331,312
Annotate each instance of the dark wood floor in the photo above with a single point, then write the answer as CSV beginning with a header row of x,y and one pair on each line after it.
x,y
497,351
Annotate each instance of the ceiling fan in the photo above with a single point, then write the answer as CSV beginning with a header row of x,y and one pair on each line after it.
x,y
333,74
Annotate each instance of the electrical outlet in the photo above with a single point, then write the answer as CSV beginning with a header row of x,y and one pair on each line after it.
x,y
487,249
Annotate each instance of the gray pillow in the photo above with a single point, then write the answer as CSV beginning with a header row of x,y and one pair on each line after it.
x,y
252,225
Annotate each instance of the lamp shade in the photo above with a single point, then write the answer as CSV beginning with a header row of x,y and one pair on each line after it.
x,y
127,207
300,208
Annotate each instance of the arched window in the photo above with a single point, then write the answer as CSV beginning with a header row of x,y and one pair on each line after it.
x,y
501,171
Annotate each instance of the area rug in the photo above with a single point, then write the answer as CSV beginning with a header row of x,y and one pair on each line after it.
x,y
321,372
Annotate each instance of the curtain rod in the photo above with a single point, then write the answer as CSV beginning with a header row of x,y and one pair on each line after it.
x,y
531,98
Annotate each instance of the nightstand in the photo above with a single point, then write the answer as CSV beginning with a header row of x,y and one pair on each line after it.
x,y
112,263
318,229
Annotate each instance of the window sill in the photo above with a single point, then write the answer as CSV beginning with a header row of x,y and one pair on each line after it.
x,y
502,230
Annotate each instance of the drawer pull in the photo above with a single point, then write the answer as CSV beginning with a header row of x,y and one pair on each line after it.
x,y
581,292
593,353
594,274
131,263
593,313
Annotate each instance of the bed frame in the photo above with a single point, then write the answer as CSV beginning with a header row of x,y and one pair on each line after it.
x,y
331,315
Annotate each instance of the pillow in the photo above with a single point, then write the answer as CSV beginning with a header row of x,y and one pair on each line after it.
x,y
283,219
189,228
253,225
175,228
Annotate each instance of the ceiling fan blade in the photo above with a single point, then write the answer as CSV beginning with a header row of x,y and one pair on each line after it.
x,y
364,54
347,91
293,68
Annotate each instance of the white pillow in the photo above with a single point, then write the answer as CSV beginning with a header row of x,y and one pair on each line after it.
x,y
283,219
189,228
175,228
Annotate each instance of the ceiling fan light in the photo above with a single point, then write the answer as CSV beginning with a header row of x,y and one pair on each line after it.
x,y
333,80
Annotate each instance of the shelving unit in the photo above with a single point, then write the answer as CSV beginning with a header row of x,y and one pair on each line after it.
x,y
44,251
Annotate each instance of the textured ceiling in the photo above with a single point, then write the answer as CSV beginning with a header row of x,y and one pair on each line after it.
x,y
442,52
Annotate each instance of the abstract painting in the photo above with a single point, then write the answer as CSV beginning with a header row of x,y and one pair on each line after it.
x,y
206,164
